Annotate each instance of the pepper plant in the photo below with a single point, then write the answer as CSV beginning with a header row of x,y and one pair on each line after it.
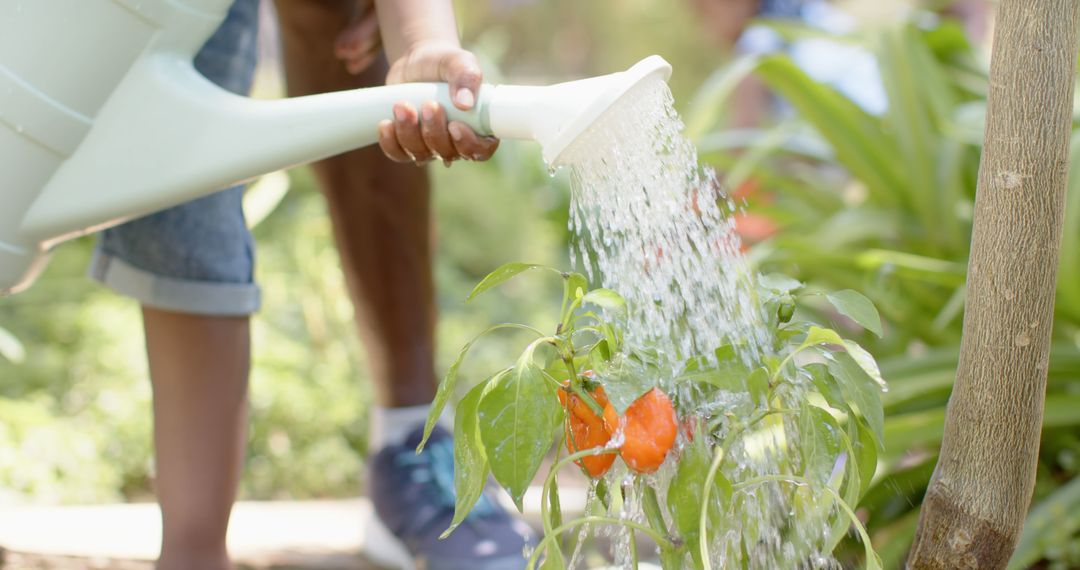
x,y
708,453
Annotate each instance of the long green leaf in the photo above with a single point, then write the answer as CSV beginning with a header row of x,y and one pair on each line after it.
x,y
861,390
857,138
470,462
517,417
504,274
709,100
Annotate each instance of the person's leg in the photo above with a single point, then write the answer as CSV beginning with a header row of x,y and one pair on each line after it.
x,y
191,267
199,369
380,212
381,215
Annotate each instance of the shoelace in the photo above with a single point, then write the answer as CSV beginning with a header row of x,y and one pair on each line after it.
x,y
434,469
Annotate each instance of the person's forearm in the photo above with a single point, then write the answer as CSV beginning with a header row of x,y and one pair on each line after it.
x,y
406,23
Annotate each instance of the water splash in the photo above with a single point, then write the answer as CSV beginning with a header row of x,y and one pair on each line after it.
x,y
650,223
654,226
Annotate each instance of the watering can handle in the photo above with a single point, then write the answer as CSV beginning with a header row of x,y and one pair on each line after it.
x,y
419,93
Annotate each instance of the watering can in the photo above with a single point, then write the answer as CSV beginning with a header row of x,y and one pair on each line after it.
x,y
103,118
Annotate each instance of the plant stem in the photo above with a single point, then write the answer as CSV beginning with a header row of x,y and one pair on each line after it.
x,y
703,535
575,385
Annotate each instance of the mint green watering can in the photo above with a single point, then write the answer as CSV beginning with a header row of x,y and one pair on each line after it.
x,y
103,119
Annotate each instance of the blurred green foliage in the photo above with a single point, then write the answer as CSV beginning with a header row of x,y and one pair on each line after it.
x,y
883,204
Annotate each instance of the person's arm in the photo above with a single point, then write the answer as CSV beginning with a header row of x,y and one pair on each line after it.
x,y
421,42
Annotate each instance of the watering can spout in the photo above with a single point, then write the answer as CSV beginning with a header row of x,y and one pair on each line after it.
x,y
166,135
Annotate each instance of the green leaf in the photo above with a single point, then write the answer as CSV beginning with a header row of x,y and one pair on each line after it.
x,y
729,376
470,462
504,274
827,386
866,454
517,417
449,383
866,362
858,308
861,390
818,335
11,348
553,556
821,442
625,380
574,286
779,283
757,383
605,298
686,491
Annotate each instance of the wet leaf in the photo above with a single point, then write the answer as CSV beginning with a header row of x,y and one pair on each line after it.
x,y
861,390
625,380
516,418
866,362
821,442
757,383
866,453
470,462
827,386
686,493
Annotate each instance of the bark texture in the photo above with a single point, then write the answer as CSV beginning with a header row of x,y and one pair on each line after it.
x,y
975,507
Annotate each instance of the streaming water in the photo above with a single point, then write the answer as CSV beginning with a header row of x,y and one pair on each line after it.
x,y
650,223
657,228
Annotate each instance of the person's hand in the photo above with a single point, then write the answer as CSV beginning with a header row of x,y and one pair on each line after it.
x,y
421,135
359,44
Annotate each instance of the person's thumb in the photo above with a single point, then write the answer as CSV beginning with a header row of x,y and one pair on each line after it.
x,y
462,72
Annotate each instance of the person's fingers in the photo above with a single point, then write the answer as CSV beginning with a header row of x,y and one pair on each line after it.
x,y
434,130
470,145
407,129
389,144
461,70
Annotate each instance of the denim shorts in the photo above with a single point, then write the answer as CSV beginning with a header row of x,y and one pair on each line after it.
x,y
197,257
